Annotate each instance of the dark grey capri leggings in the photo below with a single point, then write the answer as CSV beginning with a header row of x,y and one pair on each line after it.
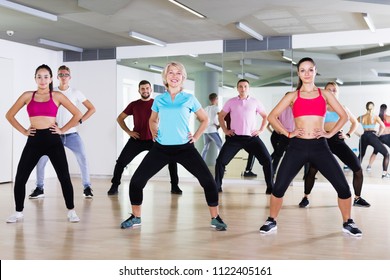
x,y
316,152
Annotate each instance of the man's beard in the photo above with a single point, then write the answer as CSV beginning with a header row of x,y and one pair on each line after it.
x,y
145,97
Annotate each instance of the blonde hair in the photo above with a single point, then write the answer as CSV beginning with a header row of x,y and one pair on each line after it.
x,y
179,66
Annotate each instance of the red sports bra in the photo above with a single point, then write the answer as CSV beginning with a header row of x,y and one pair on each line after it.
x,y
45,109
309,107
387,124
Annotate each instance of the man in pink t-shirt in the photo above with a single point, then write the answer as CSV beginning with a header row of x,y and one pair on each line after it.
x,y
243,133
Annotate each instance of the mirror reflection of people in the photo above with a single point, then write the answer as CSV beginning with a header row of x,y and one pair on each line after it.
x,y
43,138
174,142
370,137
211,133
384,137
309,144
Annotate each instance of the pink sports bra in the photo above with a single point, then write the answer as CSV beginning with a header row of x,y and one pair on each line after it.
x,y
387,124
45,109
309,107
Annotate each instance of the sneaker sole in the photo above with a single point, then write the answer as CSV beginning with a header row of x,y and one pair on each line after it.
x,y
74,221
88,196
350,233
38,196
14,221
218,228
364,206
132,226
271,230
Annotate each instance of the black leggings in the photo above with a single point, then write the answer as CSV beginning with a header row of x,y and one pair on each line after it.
x,y
133,148
161,155
316,152
339,148
251,144
279,143
369,138
43,143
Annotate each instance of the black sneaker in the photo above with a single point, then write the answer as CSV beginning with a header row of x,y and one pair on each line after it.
x,y
360,202
269,226
37,193
304,202
176,190
113,190
88,192
249,174
350,228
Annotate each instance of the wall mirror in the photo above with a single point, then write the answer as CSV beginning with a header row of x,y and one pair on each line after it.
x,y
362,71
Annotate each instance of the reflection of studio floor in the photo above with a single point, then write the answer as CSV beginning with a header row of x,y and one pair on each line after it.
x,y
177,227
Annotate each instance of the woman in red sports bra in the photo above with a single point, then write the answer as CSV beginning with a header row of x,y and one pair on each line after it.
x,y
384,137
308,144
43,138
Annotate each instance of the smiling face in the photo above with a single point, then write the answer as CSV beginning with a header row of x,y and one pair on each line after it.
x,y
43,78
145,91
307,71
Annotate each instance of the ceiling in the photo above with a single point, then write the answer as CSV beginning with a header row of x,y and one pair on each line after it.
x,y
102,24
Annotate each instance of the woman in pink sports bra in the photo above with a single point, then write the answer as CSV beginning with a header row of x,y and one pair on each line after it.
x,y
43,139
308,144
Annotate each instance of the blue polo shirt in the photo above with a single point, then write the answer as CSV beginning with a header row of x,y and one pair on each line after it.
x,y
174,117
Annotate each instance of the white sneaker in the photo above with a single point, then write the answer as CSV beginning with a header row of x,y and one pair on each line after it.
x,y
386,176
72,216
16,217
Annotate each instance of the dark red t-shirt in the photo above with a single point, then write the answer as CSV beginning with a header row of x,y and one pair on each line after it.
x,y
141,111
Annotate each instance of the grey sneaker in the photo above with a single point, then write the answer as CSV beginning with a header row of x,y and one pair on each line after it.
x,y
350,228
132,221
269,226
218,224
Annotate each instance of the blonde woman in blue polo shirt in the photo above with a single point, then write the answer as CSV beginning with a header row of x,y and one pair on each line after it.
x,y
174,142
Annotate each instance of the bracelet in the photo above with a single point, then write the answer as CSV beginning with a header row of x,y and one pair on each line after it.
x,y
349,135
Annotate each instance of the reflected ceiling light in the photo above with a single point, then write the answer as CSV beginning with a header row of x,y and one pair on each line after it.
x,y
369,22
156,68
286,82
250,75
339,81
193,55
188,9
147,39
374,72
228,87
28,10
249,31
59,45
213,66
381,44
